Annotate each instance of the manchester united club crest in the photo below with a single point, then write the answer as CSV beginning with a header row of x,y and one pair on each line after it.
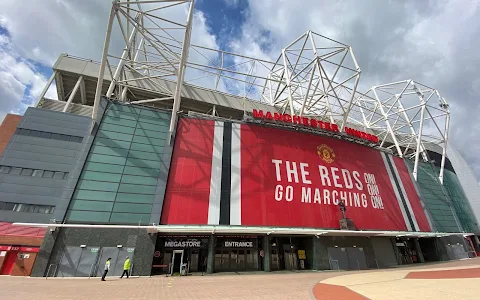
x,y
326,153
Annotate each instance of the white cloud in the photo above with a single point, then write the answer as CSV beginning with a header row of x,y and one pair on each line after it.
x,y
435,43
21,83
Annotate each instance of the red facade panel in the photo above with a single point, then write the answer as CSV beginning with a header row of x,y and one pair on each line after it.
x,y
188,187
296,179
412,195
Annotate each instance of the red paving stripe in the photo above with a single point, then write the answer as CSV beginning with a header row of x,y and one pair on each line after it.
x,y
323,291
445,274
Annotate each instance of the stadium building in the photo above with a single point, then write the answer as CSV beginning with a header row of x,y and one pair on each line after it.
x,y
188,158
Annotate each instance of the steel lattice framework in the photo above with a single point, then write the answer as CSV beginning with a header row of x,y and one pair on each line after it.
x,y
314,76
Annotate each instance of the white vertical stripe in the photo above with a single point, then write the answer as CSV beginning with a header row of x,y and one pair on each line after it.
x,y
236,177
405,196
216,176
399,200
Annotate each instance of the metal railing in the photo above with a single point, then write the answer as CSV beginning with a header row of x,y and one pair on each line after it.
x,y
48,270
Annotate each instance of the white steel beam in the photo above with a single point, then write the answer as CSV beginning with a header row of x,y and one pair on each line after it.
x,y
101,74
45,89
72,94
181,73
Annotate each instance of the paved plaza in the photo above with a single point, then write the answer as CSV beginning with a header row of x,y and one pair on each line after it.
x,y
429,281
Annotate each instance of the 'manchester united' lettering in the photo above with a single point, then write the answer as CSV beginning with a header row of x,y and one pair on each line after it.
x,y
258,114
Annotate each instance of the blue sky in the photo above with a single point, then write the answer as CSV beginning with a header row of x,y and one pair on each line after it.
x,y
224,18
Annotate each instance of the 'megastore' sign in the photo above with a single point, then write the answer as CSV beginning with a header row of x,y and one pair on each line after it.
x,y
258,114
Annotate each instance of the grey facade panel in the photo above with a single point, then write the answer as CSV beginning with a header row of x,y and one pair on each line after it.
x,y
40,157
43,150
55,243
384,252
43,154
30,140
28,199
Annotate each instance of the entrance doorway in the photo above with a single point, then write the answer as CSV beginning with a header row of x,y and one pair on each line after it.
x,y
235,260
291,262
177,261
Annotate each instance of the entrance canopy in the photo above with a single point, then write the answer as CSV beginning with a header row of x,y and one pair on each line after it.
x,y
260,230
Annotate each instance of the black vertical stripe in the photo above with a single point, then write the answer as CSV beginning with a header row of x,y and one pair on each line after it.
x,y
226,174
402,197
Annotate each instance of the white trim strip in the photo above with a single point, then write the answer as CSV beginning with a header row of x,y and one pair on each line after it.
x,y
216,176
236,177
394,186
409,206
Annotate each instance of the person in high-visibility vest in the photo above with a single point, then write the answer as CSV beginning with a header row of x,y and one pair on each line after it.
x,y
106,269
126,267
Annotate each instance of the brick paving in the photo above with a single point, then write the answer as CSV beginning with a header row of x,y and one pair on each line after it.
x,y
284,285
445,274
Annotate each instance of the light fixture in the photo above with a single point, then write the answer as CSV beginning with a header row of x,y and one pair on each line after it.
x,y
83,246
119,246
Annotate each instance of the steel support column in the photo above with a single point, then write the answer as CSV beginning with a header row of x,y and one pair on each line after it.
x,y
177,98
72,94
101,73
45,89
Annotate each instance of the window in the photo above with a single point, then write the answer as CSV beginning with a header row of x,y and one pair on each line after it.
x,y
47,174
58,175
5,169
31,208
45,135
20,207
26,172
9,206
16,171
37,173
32,172
49,135
35,133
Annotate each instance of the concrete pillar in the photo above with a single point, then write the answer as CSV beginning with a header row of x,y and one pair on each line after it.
x,y
267,254
211,254
419,250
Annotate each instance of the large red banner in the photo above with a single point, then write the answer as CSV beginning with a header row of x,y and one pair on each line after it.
x,y
297,179
188,188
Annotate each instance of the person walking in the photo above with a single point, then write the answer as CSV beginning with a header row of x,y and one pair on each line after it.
x,y
106,269
126,267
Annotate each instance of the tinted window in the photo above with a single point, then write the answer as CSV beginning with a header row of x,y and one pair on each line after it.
x,y
15,171
47,174
37,173
58,175
2,205
27,172
55,136
46,135
9,206
36,133
4,169
64,137
32,208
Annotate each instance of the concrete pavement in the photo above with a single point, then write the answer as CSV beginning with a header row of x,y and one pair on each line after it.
x,y
377,284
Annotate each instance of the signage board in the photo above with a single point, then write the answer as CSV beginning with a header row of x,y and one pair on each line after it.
x,y
183,243
313,123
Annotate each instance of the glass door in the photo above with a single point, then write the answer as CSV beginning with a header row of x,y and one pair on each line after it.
x,y
240,260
